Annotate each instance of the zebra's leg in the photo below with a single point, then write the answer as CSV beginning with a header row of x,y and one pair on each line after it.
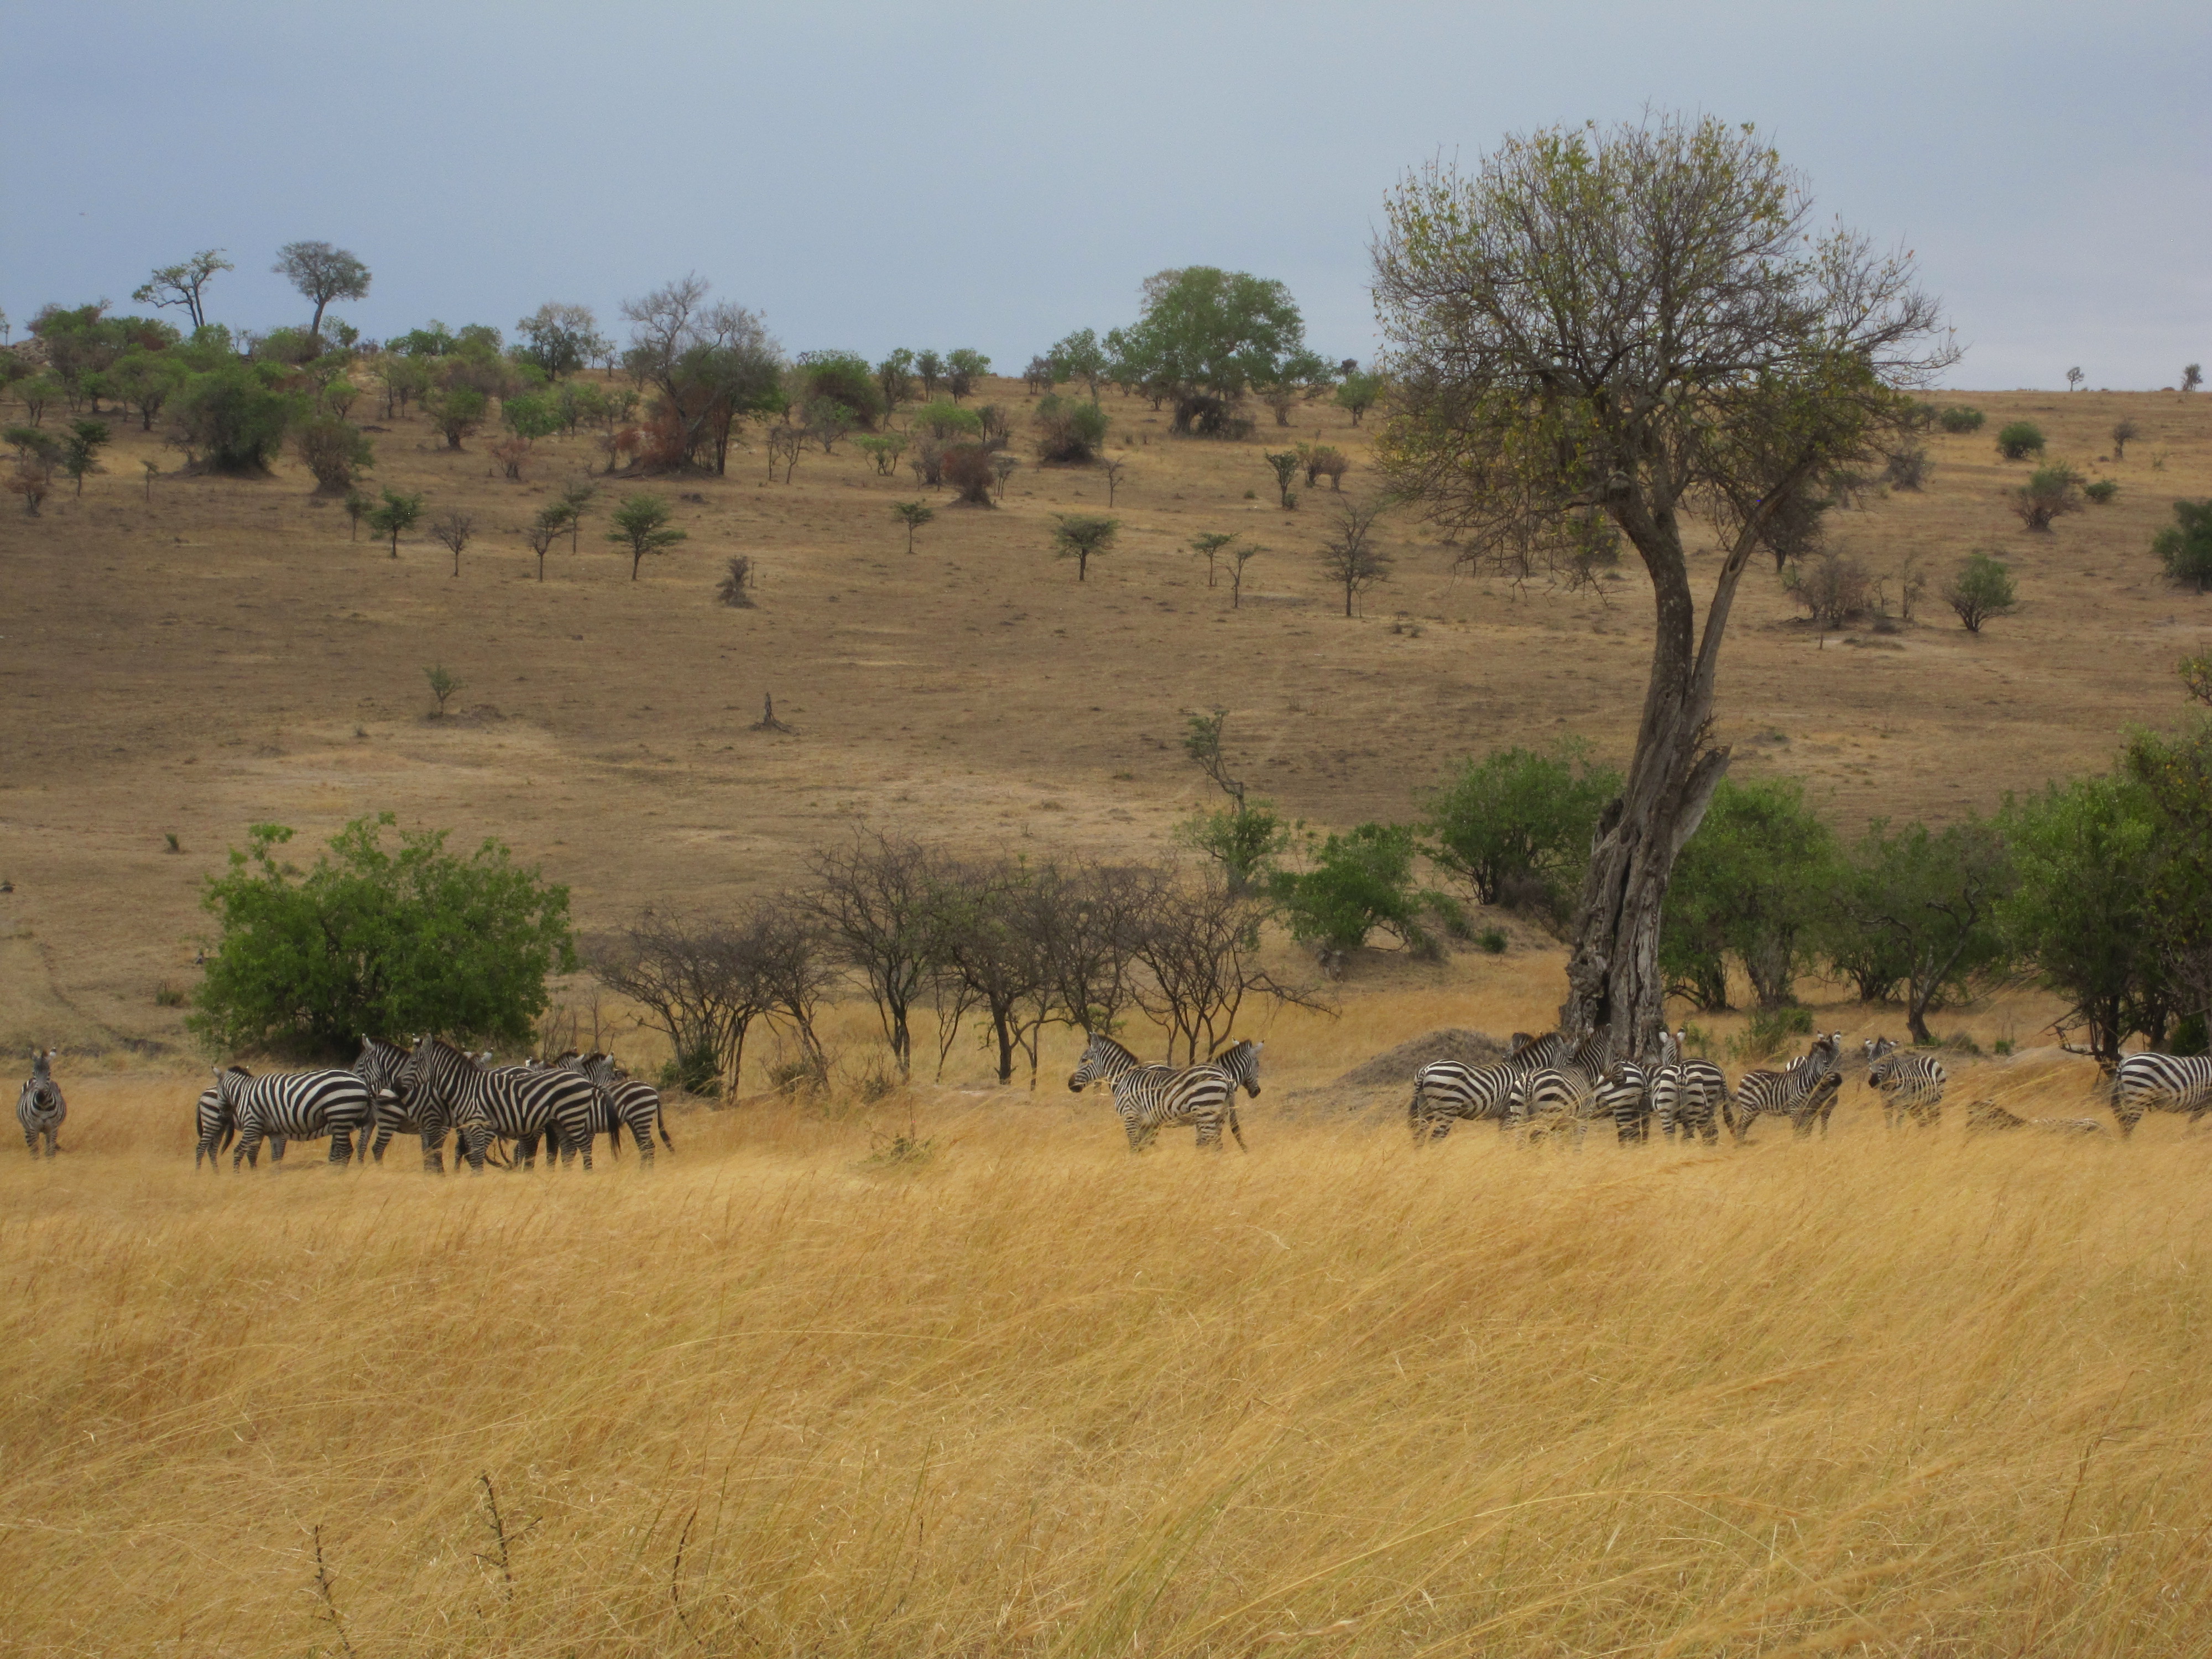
x,y
30,1140
469,1140
641,1131
434,1150
249,1148
277,1151
661,1123
341,1147
1209,1135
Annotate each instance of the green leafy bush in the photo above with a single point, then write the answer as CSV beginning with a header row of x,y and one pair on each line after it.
x,y
2184,547
1750,886
1960,417
233,419
1361,880
1982,588
1515,825
844,378
947,421
2102,491
2018,440
2050,493
1069,430
375,941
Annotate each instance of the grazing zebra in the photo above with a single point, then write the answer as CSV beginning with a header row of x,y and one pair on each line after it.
x,y
41,1108
622,1100
1805,1093
1147,1097
215,1125
1911,1085
1446,1092
1984,1115
297,1105
2161,1083
511,1101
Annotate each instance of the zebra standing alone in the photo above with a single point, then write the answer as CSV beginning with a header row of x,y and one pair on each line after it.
x,y
1805,1093
1147,1097
511,1101
41,1108
297,1105
1911,1085
2161,1083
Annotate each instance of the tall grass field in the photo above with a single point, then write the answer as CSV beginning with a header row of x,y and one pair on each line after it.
x,y
1027,1395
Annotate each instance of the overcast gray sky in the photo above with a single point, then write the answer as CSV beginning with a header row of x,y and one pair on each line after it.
x,y
868,176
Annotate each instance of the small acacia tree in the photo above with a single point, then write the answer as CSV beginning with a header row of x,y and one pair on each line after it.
x,y
642,526
2018,440
2050,493
443,684
334,450
322,273
1245,836
1981,588
2125,432
1283,464
2192,376
1349,557
453,527
541,532
1240,556
913,515
1081,535
183,285
1210,545
395,513
2184,547
1357,392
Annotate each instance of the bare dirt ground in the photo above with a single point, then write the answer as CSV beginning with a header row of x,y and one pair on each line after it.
x,y
223,654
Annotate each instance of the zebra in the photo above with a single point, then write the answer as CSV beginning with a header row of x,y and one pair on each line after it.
x,y
1911,1085
1690,1096
1987,1114
298,1105
1806,1092
215,1125
625,1100
1626,1092
509,1101
1147,1097
2161,1083
1448,1091
41,1108
383,1066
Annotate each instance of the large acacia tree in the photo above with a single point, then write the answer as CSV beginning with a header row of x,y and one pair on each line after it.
x,y
1634,327
1207,337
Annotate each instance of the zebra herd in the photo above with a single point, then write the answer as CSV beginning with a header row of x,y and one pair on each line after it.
x,y
429,1090
1543,1085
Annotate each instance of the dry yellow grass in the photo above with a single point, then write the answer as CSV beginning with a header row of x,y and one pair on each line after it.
x,y
1925,1396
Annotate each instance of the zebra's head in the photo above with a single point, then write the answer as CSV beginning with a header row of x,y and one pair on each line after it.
x,y
227,1081
1875,1047
42,1066
1102,1058
1241,1059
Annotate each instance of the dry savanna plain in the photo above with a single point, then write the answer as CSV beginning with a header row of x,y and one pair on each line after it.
x,y
1026,1395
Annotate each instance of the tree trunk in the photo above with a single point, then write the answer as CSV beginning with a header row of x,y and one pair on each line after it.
x,y
1614,985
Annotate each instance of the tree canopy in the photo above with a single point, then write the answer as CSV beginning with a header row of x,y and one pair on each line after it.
x,y
1207,337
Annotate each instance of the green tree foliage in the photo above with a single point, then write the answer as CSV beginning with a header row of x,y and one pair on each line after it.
x,y
710,365
394,514
1515,825
377,941
1360,881
2018,440
233,419
1960,418
947,422
2174,773
1069,431
962,369
1357,393
1926,901
1080,536
1205,338
2184,547
334,450
1749,886
560,339
845,379
1081,357
2083,911
1981,588
1244,837
146,380
894,380
642,526
322,274
2050,493
81,447
929,370
913,515
455,409
532,415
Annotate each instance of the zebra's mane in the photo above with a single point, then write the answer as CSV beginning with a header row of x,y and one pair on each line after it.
x,y
461,1054
1099,1039
1235,1047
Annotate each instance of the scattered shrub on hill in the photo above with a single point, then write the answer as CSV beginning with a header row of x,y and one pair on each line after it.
x,y
2125,432
1069,431
1079,357
1361,881
1081,536
844,378
735,588
1981,588
2192,376
1924,904
396,513
641,526
968,470
2184,547
333,449
1324,461
1749,885
1357,392
884,450
1907,468
1348,555
81,447
2050,492
913,515
455,410
561,340
1833,587
962,369
1283,464
375,939
1515,825
2018,440
443,685
2196,674
1037,377
453,528
231,418
2100,493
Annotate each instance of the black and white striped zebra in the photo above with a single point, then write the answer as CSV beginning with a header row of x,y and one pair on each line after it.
x,y
1149,1097
2161,1083
1805,1093
215,1125
624,1100
1911,1085
1690,1097
1623,1093
41,1108
511,1101
297,1105
395,1109
1561,1092
1446,1092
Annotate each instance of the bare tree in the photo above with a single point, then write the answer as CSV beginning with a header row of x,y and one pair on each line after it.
x,y
877,903
453,528
1668,339
1199,947
1112,470
1239,557
2073,377
1086,920
1349,557
184,284
984,940
540,532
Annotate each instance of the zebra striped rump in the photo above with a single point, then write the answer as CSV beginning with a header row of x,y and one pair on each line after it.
x,y
39,1108
626,1101
513,1102
1148,1097
2161,1083
1446,1092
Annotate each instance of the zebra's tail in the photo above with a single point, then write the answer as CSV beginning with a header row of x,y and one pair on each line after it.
x,y
1238,1131
661,1123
